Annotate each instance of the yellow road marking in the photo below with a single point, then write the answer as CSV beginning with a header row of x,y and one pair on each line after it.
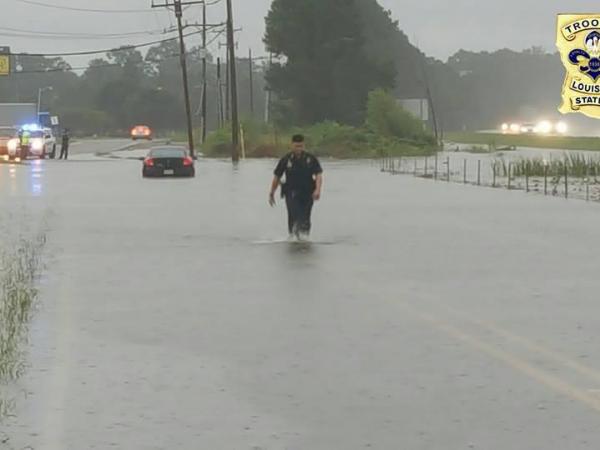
x,y
550,381
578,367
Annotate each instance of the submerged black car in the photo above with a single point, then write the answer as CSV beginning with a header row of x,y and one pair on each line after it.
x,y
168,161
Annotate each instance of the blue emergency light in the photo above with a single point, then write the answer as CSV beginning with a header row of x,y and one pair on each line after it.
x,y
31,127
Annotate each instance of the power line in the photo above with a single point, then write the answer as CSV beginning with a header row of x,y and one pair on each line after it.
x,y
71,8
100,66
68,69
94,52
9,32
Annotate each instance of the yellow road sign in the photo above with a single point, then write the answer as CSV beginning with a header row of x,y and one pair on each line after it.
x,y
4,65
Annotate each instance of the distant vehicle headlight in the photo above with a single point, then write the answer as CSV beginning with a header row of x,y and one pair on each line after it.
x,y
561,128
505,127
12,145
37,144
515,127
544,127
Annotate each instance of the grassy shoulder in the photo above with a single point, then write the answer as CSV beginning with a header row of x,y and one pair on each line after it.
x,y
387,130
327,139
535,141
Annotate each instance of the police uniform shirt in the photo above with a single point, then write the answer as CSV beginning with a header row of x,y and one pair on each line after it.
x,y
299,172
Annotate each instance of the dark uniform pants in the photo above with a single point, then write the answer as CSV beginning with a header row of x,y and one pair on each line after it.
x,y
299,206
64,151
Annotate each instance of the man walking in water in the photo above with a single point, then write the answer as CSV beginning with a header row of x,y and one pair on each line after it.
x,y
302,186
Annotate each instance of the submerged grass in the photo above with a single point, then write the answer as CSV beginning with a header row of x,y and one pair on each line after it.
x,y
574,165
20,267
527,140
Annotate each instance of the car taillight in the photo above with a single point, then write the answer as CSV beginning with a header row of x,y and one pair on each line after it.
x,y
149,162
188,161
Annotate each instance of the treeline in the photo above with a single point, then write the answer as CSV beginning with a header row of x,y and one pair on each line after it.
x,y
334,52
328,56
125,87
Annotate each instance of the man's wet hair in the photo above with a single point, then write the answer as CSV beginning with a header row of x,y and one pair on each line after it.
x,y
298,138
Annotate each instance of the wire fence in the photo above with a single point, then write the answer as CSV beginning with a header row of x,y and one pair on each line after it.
x,y
573,176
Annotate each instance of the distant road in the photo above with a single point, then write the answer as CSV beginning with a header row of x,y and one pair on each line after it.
x,y
85,146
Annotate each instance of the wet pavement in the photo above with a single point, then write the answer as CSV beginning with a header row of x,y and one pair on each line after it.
x,y
424,316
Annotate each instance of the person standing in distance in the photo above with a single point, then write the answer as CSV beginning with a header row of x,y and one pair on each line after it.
x,y
64,148
302,187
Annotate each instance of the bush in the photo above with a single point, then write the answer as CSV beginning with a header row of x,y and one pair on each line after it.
x,y
386,118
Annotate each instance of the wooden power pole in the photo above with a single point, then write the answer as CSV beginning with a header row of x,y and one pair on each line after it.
x,y
204,82
178,5
235,120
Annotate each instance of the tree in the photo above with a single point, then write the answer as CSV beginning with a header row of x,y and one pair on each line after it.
x,y
130,60
327,73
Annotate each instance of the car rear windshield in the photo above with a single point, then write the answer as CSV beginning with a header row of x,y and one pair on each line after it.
x,y
168,153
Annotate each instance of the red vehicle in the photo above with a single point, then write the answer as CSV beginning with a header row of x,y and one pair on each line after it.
x,y
141,132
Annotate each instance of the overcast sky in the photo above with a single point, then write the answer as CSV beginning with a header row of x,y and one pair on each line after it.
x,y
439,27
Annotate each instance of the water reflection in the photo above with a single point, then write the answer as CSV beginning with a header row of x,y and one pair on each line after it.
x,y
36,178
23,177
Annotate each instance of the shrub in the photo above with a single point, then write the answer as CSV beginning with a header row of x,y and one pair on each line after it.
x,y
387,118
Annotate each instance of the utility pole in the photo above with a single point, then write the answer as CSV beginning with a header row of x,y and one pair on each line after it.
x,y
227,91
204,85
219,94
186,88
268,99
178,7
251,78
235,121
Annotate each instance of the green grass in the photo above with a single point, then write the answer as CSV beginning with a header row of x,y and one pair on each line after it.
x,y
20,266
501,140
326,139
574,165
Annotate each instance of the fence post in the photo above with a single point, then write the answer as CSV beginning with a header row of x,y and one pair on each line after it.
x,y
400,164
448,168
435,167
494,172
527,176
545,179
587,182
509,180
478,172
465,171
415,171
425,170
566,180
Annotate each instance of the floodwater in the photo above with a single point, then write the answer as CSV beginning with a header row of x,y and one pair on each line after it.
x,y
424,316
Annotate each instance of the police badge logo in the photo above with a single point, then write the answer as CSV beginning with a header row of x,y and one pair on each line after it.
x,y
578,41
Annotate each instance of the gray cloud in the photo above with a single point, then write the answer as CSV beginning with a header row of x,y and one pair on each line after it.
x,y
439,27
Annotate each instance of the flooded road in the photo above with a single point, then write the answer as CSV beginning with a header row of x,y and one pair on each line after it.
x,y
424,316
